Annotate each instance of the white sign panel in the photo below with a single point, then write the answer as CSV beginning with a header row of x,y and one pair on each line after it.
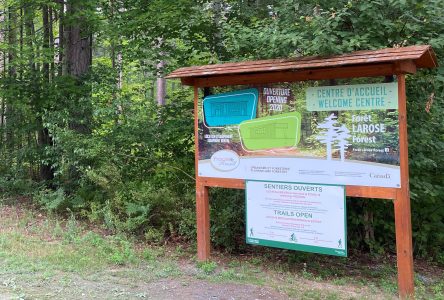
x,y
343,134
296,216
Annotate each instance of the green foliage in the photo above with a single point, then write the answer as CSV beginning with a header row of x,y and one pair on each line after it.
x,y
124,167
228,219
10,186
207,267
52,200
152,254
426,172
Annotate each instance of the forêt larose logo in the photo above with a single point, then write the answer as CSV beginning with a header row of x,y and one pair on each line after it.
x,y
225,160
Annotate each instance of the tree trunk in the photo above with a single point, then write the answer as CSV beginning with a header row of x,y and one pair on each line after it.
x,y
44,139
113,43
79,41
119,81
78,52
12,40
161,84
61,39
51,43
2,72
78,60
29,31
218,6
369,233
45,20
160,70
12,73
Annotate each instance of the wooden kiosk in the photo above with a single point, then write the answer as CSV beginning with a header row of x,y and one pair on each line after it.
x,y
385,62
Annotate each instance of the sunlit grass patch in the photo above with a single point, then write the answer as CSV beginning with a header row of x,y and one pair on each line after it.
x,y
26,253
88,252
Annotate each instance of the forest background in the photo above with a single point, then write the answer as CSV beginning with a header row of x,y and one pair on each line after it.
x,y
90,127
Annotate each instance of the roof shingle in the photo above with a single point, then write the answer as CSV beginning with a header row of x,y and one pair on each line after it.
x,y
422,55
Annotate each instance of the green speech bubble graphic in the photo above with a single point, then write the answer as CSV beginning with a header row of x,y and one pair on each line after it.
x,y
277,131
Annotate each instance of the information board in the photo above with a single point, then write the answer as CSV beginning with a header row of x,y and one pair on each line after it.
x,y
296,216
344,134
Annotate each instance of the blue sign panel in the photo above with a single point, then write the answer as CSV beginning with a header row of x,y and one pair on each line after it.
x,y
230,108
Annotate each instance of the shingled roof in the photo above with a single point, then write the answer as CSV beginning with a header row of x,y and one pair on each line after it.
x,y
422,56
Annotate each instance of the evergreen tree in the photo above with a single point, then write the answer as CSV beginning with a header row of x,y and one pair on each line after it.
x,y
328,133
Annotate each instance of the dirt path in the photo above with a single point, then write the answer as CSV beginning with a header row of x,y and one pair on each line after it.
x,y
120,288
137,283
121,284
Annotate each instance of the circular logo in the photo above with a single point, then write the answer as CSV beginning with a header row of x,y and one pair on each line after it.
x,y
225,160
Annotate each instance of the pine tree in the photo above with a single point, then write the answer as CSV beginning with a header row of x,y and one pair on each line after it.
x,y
328,134
342,140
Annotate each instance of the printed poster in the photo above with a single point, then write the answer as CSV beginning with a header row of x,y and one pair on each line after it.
x,y
296,216
343,134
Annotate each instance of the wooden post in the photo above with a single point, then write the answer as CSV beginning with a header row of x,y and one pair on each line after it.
x,y
203,222
403,222
202,200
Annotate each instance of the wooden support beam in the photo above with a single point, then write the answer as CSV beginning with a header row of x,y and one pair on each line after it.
x,y
202,199
297,75
351,190
203,222
371,192
405,67
187,81
403,222
223,182
196,130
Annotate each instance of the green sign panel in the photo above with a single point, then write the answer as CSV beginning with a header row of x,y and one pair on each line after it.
x,y
283,130
379,96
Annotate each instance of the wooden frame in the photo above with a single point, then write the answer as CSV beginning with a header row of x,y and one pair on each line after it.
x,y
367,68
400,196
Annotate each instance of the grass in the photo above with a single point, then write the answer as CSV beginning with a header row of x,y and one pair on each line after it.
x,y
40,250
207,267
32,243
73,252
